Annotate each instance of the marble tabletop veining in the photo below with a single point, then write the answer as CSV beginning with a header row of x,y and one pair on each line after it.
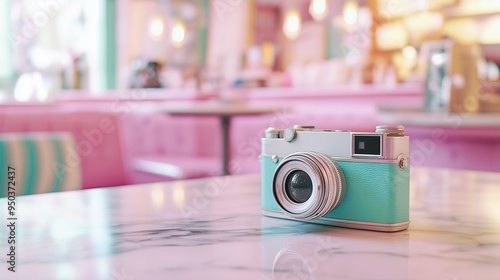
x,y
213,229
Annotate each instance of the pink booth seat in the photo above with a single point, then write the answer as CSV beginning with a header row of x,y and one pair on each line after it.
x,y
158,133
163,147
99,145
24,120
96,134
341,107
247,132
472,148
164,167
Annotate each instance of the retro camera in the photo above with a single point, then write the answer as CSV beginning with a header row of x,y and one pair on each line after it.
x,y
339,178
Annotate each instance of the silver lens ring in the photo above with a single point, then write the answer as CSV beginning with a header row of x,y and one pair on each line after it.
x,y
328,185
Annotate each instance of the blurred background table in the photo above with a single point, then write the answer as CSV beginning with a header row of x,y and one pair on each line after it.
x,y
224,110
213,228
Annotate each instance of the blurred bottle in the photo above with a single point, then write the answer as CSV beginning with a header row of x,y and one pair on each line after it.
x,y
151,75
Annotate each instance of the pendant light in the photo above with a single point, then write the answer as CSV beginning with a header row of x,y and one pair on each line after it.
x,y
292,23
350,14
156,27
178,34
318,9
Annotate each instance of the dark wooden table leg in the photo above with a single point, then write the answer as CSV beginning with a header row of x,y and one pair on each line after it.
x,y
225,123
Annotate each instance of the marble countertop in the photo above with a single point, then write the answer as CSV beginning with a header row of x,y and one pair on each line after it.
x,y
213,229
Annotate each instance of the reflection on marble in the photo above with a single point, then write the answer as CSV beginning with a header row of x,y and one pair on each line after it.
x,y
213,229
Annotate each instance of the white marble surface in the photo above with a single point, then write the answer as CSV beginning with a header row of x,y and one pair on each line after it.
x,y
212,229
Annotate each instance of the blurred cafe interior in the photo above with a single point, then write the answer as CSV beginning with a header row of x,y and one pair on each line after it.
x,y
143,66
131,136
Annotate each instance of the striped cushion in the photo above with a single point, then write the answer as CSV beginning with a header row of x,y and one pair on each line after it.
x,y
43,162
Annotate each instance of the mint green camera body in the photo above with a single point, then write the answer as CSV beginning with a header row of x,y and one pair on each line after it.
x,y
376,197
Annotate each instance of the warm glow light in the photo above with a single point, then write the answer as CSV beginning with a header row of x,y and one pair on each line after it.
x,y
292,24
268,51
410,53
156,28
179,195
178,34
423,25
464,31
405,61
158,197
350,12
489,33
392,36
318,9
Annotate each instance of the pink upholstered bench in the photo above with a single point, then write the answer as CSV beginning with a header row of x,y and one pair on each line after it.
x,y
162,147
247,131
97,137
472,148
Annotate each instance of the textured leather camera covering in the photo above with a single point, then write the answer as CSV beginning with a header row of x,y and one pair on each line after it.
x,y
376,192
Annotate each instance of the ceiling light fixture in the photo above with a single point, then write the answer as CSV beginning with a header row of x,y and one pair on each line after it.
x,y
292,24
318,9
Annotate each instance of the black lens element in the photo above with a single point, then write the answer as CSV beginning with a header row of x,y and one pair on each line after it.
x,y
298,186
367,145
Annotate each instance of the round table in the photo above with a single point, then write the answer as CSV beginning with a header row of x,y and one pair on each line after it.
x,y
224,111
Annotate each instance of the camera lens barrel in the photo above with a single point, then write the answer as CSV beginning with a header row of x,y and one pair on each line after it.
x,y
308,185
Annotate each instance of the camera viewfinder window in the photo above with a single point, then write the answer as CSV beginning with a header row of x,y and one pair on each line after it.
x,y
367,145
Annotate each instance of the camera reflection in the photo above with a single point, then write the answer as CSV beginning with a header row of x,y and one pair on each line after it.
x,y
297,251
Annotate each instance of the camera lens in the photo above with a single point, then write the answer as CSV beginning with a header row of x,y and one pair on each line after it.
x,y
298,186
308,185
